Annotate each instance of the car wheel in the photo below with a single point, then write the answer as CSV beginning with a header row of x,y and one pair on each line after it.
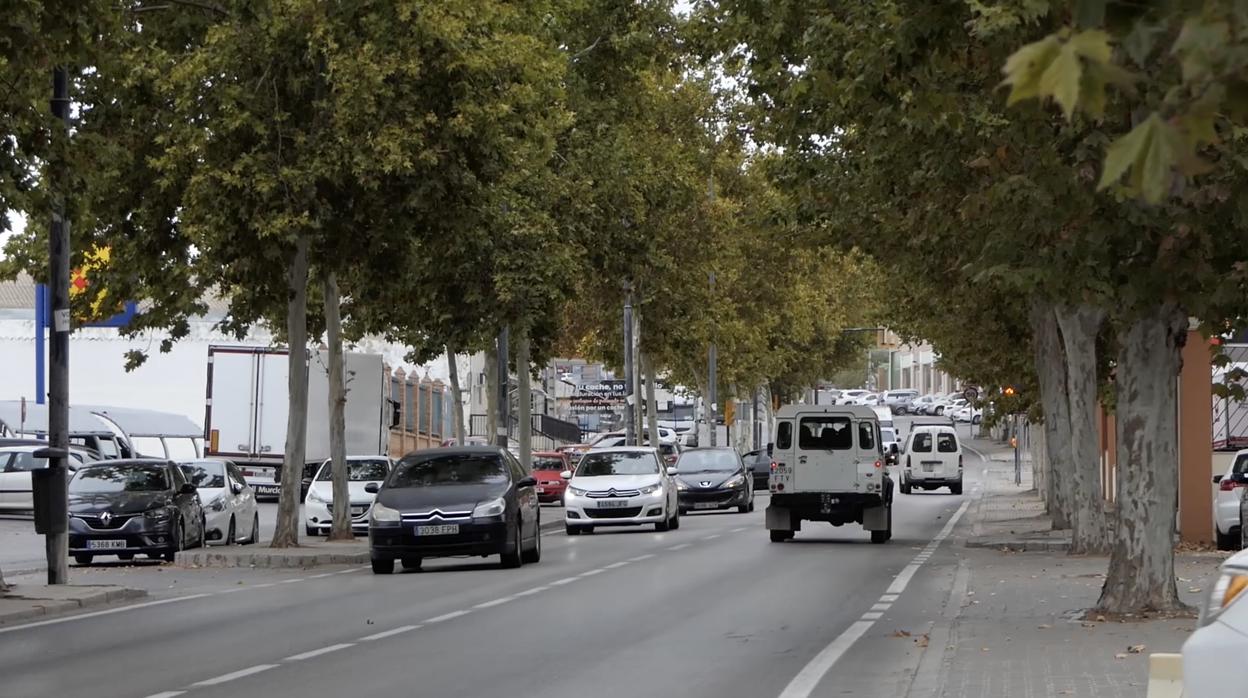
x,y
255,530
905,486
178,543
534,554
514,557
382,566
976,419
83,558
676,520
879,536
751,504
743,509
203,533
411,563
663,525
1226,541
780,536
229,533
956,489
684,512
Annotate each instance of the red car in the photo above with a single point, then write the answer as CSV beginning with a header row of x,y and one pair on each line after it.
x,y
547,467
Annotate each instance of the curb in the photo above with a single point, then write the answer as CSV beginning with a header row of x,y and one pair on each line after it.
x,y
296,558
1165,675
1019,545
52,607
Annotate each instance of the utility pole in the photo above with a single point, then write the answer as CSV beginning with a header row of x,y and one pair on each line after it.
x,y
504,389
630,397
56,541
757,426
713,378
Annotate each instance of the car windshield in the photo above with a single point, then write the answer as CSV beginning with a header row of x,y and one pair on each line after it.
x,y
887,435
105,479
205,473
357,471
618,463
548,463
448,470
707,461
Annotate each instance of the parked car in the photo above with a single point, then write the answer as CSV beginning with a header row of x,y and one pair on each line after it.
x,y
468,500
468,441
626,486
714,478
969,414
1221,637
16,464
932,458
665,436
849,397
899,400
759,463
948,407
869,400
921,404
547,466
318,511
1227,503
230,513
133,506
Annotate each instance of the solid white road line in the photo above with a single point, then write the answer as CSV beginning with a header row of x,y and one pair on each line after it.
x,y
561,582
529,592
590,573
96,614
639,558
166,694
316,653
495,602
224,678
390,633
616,565
804,684
447,616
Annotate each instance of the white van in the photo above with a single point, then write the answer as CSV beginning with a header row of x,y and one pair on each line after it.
x,y
829,466
931,458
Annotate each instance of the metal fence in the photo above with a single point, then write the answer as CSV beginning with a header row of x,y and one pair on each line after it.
x,y
548,432
1230,416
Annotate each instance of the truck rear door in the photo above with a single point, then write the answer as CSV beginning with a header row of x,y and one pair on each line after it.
x,y
271,405
827,456
231,403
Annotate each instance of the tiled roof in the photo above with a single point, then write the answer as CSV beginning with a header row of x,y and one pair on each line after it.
x,y
18,294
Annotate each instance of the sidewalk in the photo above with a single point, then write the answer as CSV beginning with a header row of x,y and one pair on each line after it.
x,y
34,601
1015,622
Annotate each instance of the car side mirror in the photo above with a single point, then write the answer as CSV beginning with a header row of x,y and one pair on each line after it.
x,y
566,475
236,488
187,488
529,481
372,488
892,449
673,471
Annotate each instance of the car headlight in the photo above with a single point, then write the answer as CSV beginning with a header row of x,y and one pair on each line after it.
x,y
577,491
316,496
160,514
218,503
1229,587
734,481
492,508
681,486
650,489
381,512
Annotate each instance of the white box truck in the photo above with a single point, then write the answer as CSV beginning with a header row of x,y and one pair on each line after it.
x,y
246,408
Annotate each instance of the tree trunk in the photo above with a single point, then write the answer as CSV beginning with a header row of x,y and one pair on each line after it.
x,y
652,405
638,416
1141,564
1051,371
457,395
1090,527
286,533
341,528
491,391
524,388
4,586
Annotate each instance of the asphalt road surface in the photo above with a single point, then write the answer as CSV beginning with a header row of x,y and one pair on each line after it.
x,y
711,609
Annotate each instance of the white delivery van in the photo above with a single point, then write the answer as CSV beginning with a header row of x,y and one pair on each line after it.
x,y
932,458
828,465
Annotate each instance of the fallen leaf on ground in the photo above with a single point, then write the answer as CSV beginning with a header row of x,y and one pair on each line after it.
x,y
1044,626
1088,625
1136,649
984,649
921,640
1193,589
1120,655
901,633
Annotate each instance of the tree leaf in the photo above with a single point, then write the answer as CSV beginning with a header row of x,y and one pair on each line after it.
x,y
1024,69
1126,151
1062,78
1092,45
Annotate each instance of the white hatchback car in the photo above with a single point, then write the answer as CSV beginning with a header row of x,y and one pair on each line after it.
x,y
230,514
932,458
16,462
1226,502
627,486
1221,638
318,505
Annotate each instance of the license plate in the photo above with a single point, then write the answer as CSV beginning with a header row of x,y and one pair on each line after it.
x,y
443,530
705,505
613,504
107,544
929,467
268,489
541,490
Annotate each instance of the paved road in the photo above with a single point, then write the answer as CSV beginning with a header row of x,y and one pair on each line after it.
x,y
712,609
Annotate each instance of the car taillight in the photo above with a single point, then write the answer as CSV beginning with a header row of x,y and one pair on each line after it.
x,y
879,464
773,466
